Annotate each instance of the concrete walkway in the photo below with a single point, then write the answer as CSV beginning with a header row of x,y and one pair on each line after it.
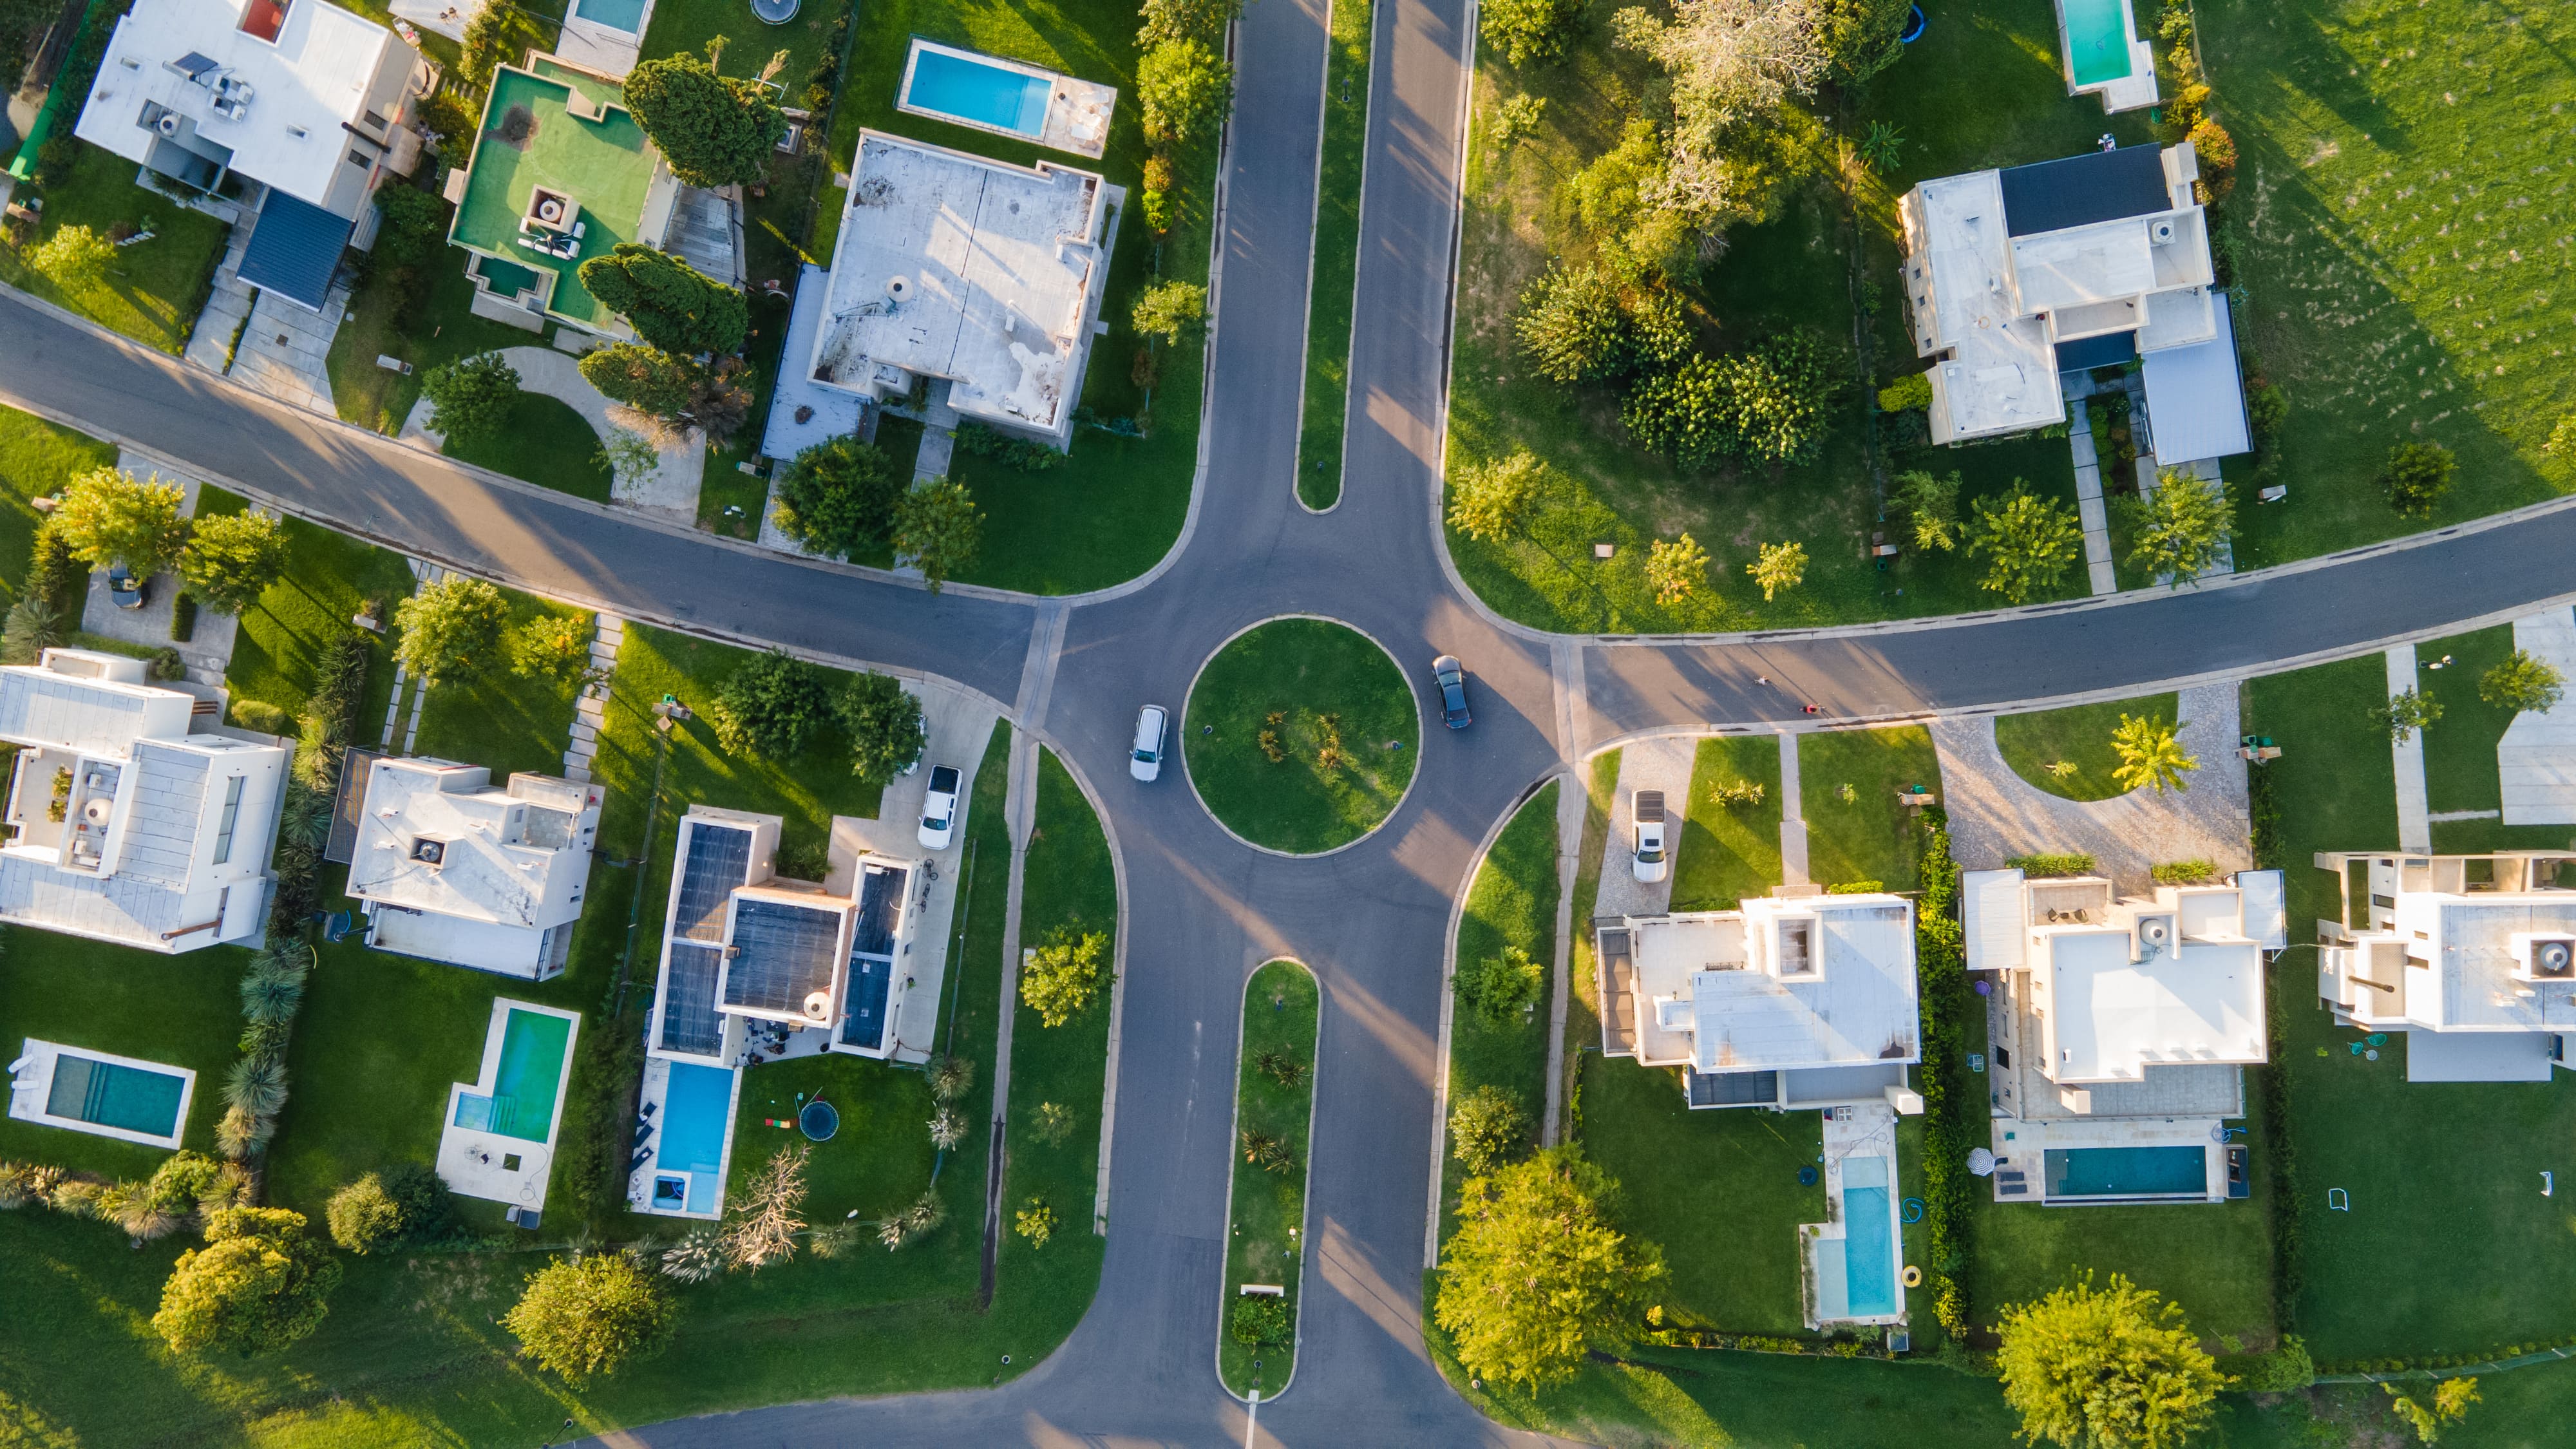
x,y
670,490
2088,498
2536,759
2414,810
1793,815
1659,764
1995,814
590,711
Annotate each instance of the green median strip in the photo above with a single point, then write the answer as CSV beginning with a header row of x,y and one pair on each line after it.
x,y
1274,1105
1337,254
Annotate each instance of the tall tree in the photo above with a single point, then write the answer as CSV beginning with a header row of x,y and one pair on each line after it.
x,y
471,397
1676,569
232,558
260,1283
937,527
1186,90
1780,567
2522,682
761,1225
838,497
1537,1275
772,705
1170,310
885,726
2182,532
450,628
1185,20
1064,976
1929,506
111,517
592,1315
646,379
714,130
672,305
1492,502
2105,1368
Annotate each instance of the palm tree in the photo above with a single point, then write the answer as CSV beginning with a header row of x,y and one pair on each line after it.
x,y
2149,755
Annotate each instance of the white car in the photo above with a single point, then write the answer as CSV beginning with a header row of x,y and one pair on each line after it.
x,y
1653,861
1145,755
939,812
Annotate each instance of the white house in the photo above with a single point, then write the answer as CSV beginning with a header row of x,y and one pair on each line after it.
x,y
132,816
2118,1031
2017,275
985,274
2471,957
294,109
451,868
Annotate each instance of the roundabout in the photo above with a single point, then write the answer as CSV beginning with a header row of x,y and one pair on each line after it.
x,y
1300,735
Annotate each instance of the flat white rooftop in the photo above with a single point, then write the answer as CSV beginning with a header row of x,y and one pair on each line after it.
x,y
438,837
2002,375
952,266
1820,981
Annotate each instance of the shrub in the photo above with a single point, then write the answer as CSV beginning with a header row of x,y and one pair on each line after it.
x,y
471,397
164,664
592,1315
1034,1221
1169,310
260,1283
771,706
1024,454
714,130
937,529
2217,152
413,226
2417,477
1675,569
1914,390
2406,713
2522,682
1260,1319
1499,987
2183,872
1582,324
551,646
1063,977
838,497
73,257
2028,543
1185,88
1491,502
2150,755
449,628
1781,566
1486,1129
2067,863
646,379
674,306
2266,406
363,1216
1185,20
232,558
183,617
1928,507
1528,30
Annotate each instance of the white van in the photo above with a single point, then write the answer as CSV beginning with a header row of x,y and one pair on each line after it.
x,y
1145,757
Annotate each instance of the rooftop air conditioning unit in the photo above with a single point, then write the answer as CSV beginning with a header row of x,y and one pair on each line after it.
x,y
168,125
2161,231
2154,937
2540,957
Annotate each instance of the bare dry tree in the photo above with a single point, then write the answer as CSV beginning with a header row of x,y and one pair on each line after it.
x,y
761,1229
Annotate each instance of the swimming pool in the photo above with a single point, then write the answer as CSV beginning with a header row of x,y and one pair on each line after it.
x,y
2127,1172
522,1100
696,1120
108,1094
1869,1239
626,15
969,89
2097,39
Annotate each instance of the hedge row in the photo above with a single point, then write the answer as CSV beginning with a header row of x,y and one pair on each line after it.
x,y
1955,1108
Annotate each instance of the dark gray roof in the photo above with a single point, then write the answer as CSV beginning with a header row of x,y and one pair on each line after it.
x,y
2081,190
294,249
781,953
881,896
2108,350
689,1019
719,858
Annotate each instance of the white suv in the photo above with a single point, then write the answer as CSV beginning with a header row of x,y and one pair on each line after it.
x,y
1145,756
939,812
1653,861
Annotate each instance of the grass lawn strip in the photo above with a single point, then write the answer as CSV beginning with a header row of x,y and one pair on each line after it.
x,y
1511,903
154,290
1337,255
1868,836
1729,851
1268,1208
1345,732
2079,735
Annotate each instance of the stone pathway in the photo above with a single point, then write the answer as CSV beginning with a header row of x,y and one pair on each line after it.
x,y
2536,759
1660,764
590,712
1793,815
671,489
2414,818
1995,814
423,573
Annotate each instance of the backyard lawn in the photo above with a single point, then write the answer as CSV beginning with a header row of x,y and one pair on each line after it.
x,y
1511,903
1314,735
1856,830
1268,1203
2402,240
1728,852
155,289
2079,735
1337,255
180,1011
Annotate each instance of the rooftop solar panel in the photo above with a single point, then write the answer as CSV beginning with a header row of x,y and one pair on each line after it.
x,y
690,1022
719,859
781,954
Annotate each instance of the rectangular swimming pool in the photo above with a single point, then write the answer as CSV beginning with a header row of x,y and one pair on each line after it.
x,y
688,1158
107,1094
1869,1247
2127,1172
626,15
969,89
2097,39
522,1103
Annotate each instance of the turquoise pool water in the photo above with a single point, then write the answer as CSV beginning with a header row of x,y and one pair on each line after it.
x,y
1869,1245
522,1103
978,93
688,1158
2097,39
626,15
2128,1171
110,1094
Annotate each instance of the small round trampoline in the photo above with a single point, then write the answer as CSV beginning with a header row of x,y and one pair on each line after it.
x,y
818,1121
774,12
1913,25
1806,1177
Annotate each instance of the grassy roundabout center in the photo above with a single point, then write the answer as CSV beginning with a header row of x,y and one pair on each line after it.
x,y
1300,735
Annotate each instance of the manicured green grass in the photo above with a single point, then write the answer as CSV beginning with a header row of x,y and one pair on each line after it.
x,y
2460,747
1322,681
1728,852
1070,883
329,579
1683,1172
36,458
1979,90
2403,247
687,25
501,719
1869,836
1583,997
440,329
1115,506
2079,735
155,288
1337,256
1511,903
723,485
181,1011
878,1161
544,442
2448,1247
1280,1005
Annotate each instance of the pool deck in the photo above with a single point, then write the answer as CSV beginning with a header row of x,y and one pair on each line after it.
x,y
2021,1174
31,1085
653,1103
1866,1131
1077,113
603,48
476,1162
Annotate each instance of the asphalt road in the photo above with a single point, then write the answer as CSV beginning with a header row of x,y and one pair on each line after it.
x,y
1203,911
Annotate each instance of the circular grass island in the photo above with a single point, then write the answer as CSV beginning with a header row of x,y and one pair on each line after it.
x,y
1300,735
